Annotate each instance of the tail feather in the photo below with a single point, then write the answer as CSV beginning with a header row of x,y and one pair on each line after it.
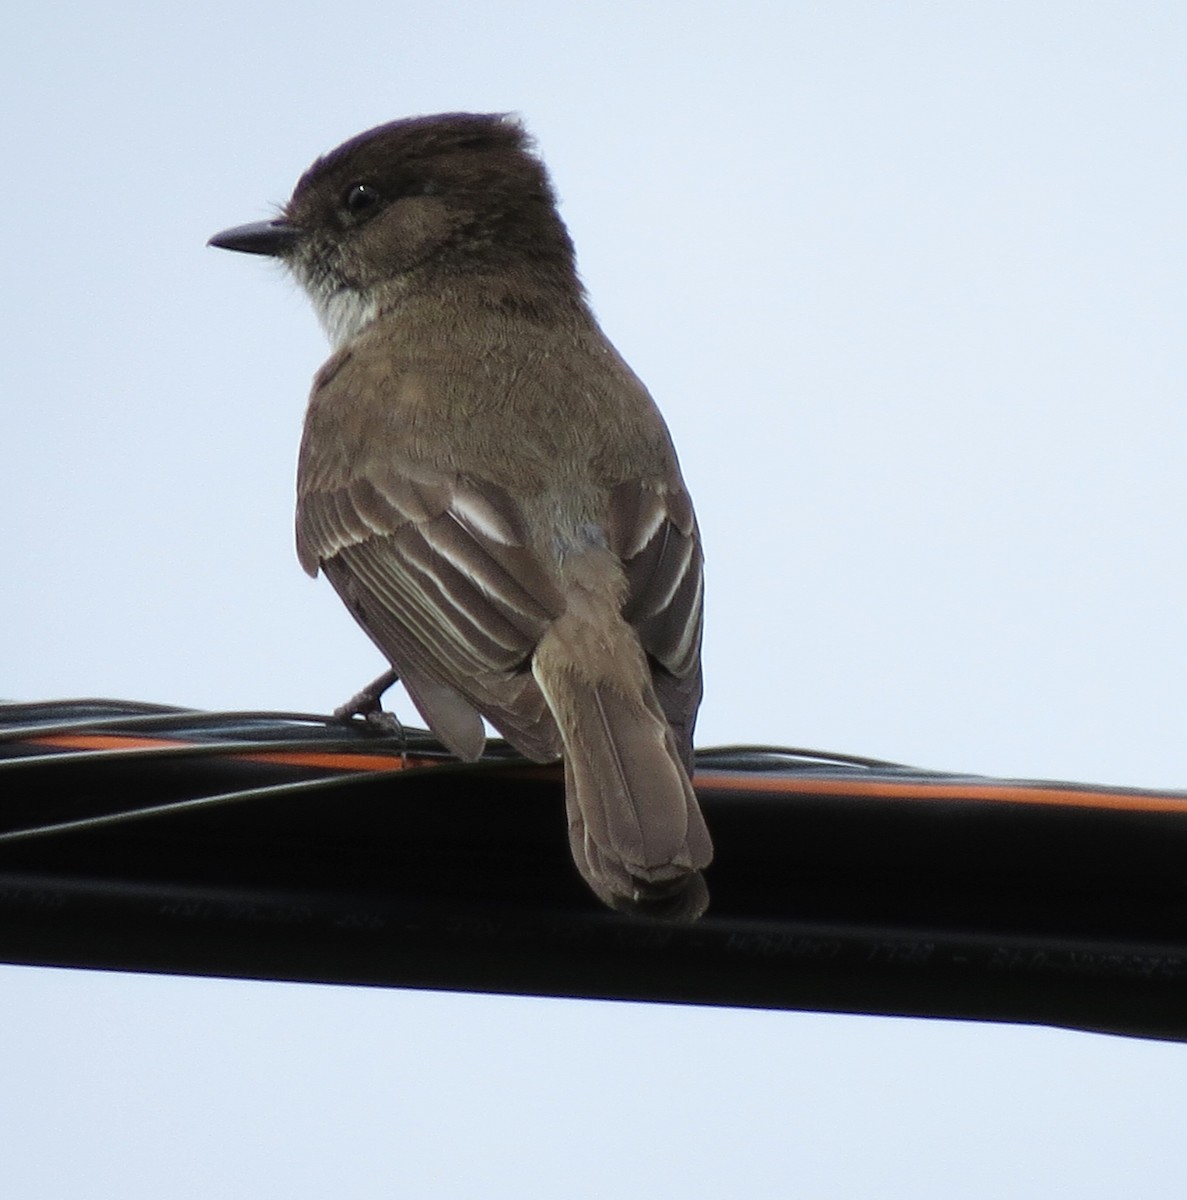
x,y
635,828
684,897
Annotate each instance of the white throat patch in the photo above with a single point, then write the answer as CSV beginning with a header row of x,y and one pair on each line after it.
x,y
343,312
345,315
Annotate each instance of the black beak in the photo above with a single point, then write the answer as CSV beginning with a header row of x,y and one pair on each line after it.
x,y
261,237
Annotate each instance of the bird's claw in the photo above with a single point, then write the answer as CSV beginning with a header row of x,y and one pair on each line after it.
x,y
368,705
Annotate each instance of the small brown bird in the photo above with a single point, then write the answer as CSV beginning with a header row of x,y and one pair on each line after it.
x,y
492,491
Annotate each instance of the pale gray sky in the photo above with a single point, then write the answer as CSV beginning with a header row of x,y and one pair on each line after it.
x,y
908,281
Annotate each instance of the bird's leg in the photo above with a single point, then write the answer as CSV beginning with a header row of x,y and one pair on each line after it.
x,y
366,704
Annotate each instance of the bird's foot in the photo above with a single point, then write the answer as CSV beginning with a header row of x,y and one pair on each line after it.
x,y
368,705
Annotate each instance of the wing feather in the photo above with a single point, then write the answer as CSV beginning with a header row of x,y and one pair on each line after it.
x,y
438,575
654,531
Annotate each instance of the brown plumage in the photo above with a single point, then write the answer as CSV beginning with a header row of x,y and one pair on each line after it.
x,y
492,491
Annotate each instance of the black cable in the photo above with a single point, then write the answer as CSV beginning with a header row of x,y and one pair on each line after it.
x,y
256,845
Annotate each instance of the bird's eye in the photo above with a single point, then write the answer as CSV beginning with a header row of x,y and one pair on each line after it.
x,y
360,198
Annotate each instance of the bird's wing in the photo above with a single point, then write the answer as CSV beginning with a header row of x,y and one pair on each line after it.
x,y
438,571
653,531
439,568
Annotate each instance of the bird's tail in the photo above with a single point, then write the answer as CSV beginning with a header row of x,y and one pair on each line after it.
x,y
635,827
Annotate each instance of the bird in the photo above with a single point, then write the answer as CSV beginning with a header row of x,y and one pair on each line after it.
x,y
492,491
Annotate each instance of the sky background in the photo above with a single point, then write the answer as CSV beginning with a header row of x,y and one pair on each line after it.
x,y
908,281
